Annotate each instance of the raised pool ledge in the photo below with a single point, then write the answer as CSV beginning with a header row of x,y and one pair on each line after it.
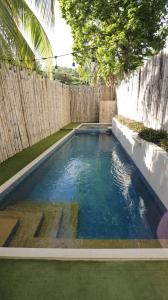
x,y
84,254
151,160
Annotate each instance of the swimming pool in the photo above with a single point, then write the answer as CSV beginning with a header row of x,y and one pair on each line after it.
x,y
94,170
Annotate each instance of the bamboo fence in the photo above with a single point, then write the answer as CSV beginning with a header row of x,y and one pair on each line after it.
x,y
33,107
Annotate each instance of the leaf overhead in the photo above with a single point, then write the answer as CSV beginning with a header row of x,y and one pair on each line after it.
x,y
17,18
112,38
46,9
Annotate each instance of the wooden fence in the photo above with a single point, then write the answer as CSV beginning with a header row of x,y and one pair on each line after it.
x,y
33,107
143,96
85,102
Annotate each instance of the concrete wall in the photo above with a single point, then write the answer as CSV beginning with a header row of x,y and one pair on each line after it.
x,y
143,96
150,159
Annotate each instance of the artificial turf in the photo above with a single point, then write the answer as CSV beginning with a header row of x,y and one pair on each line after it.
x,y
14,164
56,280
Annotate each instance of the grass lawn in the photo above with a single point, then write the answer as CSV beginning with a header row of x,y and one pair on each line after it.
x,y
49,280
14,164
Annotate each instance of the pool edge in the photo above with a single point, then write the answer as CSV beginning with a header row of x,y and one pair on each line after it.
x,y
12,182
84,254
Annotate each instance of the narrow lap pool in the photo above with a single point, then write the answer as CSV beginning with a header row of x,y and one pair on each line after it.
x,y
95,171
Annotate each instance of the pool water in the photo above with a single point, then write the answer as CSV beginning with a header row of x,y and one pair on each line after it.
x,y
95,171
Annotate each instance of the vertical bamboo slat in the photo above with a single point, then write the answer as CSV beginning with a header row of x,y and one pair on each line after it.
x,y
33,107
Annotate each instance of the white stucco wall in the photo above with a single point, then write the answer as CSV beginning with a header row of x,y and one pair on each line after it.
x,y
150,159
143,95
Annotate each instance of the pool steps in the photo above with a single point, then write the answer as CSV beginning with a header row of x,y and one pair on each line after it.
x,y
68,227
53,231
29,224
41,222
55,226
8,227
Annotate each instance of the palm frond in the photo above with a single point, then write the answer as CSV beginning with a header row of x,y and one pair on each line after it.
x,y
11,36
46,9
13,16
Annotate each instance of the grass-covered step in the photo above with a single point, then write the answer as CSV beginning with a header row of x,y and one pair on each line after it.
x,y
29,224
68,228
52,216
8,228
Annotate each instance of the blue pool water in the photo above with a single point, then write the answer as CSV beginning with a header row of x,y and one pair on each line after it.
x,y
96,172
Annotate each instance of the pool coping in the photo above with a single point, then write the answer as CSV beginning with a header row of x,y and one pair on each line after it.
x,y
12,182
63,253
84,254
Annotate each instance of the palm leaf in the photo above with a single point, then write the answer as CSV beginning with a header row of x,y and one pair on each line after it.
x,y
11,37
13,16
47,10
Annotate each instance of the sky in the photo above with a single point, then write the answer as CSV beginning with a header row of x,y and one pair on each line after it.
x,y
60,37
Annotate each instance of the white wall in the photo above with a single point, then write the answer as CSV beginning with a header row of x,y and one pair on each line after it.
x,y
150,159
143,96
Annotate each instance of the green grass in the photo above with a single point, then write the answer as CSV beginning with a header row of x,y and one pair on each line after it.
x,y
48,280
14,164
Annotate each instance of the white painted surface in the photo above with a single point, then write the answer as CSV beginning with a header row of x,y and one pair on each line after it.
x,y
84,254
150,159
143,95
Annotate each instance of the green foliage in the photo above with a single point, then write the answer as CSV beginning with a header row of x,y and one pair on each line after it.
x,y
164,144
133,125
113,37
152,135
67,76
158,137
16,17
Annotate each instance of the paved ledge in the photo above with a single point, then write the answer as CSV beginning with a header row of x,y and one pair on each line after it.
x,y
84,254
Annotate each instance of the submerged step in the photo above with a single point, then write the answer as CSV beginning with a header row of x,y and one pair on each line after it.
x,y
8,228
50,222
52,216
54,229
105,244
39,242
60,220
68,228
30,224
